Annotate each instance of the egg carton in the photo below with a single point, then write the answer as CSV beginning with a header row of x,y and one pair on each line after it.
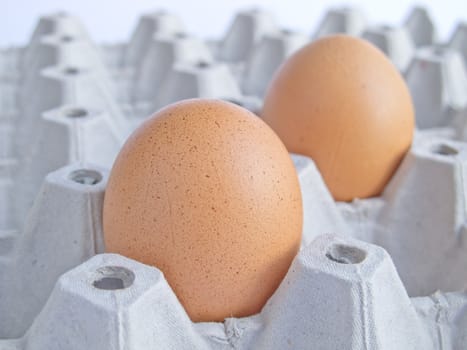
x,y
68,104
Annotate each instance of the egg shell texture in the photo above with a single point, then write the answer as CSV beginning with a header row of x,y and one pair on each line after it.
x,y
340,101
205,191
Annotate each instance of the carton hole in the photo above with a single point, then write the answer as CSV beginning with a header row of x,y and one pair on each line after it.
x,y
76,113
180,35
234,101
445,150
344,254
286,32
203,64
66,38
86,177
437,50
71,71
113,278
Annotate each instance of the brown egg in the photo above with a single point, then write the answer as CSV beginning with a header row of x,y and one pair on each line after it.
x,y
340,101
206,191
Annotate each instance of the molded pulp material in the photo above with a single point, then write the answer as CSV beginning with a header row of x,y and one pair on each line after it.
x,y
386,272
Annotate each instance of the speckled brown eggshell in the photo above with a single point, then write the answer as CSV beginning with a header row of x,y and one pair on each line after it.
x,y
340,101
206,191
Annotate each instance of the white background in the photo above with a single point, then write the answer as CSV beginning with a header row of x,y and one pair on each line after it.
x,y
113,20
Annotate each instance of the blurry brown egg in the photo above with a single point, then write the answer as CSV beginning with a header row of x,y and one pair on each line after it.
x,y
206,191
340,101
